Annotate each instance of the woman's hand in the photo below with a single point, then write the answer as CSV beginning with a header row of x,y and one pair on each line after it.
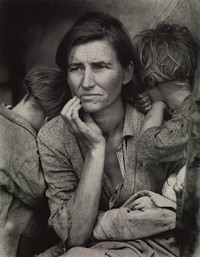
x,y
143,202
86,130
142,102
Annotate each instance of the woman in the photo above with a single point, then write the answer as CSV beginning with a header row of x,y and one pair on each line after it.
x,y
89,153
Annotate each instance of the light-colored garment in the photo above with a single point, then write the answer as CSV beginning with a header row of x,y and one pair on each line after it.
x,y
22,186
168,142
163,246
62,157
125,224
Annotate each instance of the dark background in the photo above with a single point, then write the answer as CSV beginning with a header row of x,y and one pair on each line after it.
x,y
30,30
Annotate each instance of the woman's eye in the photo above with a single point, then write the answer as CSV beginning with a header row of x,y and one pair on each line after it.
x,y
99,67
75,69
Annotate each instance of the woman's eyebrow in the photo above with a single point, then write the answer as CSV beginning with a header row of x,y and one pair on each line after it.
x,y
73,64
101,62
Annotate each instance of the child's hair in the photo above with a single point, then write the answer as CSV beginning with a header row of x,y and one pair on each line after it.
x,y
168,52
47,86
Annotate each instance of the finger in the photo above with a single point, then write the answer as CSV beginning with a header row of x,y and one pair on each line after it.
x,y
129,201
143,106
67,114
69,109
143,100
133,204
146,104
144,110
141,95
75,112
75,118
68,105
139,206
79,125
147,108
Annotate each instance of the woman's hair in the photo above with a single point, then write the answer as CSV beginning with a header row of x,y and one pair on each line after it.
x,y
168,52
47,86
99,26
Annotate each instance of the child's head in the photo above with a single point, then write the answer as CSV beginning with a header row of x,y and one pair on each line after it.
x,y
174,180
46,89
167,53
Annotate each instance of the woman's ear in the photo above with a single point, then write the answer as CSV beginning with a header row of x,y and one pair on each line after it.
x,y
128,73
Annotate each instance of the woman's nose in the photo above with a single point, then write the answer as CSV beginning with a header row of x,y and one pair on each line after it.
x,y
88,79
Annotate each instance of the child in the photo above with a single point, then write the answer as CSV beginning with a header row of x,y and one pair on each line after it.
x,y
168,56
23,218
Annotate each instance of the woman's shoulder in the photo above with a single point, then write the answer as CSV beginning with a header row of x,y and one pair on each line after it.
x,y
55,131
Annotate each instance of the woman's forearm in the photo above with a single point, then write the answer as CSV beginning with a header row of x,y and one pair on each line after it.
x,y
85,203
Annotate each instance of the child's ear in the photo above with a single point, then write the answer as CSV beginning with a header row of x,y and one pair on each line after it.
x,y
128,73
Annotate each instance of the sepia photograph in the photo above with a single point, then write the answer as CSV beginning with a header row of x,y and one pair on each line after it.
x,y
99,128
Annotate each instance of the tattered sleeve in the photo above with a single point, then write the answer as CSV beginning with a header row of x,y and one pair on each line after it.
x,y
20,171
167,143
61,184
125,224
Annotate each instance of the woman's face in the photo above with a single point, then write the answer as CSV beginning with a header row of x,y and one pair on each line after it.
x,y
95,75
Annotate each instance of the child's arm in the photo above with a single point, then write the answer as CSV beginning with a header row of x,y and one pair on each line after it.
x,y
166,142
154,117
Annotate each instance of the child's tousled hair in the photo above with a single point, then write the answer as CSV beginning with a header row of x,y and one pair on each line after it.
x,y
168,52
47,86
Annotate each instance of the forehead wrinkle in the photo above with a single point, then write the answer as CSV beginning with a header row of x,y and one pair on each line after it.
x,y
86,53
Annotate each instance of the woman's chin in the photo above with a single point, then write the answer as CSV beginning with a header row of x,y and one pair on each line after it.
x,y
90,107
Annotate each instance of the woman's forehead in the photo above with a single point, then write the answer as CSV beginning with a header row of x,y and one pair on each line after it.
x,y
97,50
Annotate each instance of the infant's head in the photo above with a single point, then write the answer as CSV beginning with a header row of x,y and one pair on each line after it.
x,y
175,178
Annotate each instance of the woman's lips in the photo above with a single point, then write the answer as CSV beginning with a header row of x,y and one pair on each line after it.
x,y
89,96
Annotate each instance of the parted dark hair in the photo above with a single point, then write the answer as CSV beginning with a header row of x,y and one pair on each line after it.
x,y
98,26
168,52
47,86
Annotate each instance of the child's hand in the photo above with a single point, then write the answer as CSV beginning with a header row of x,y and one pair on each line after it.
x,y
142,102
178,187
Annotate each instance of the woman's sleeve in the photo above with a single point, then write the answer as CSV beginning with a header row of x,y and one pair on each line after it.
x,y
167,143
125,224
61,184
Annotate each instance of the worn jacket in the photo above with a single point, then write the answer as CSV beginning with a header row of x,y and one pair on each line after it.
x,y
62,157
22,185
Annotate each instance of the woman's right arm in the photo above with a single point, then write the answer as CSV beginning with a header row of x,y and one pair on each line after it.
x,y
85,203
79,203
73,203
131,222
